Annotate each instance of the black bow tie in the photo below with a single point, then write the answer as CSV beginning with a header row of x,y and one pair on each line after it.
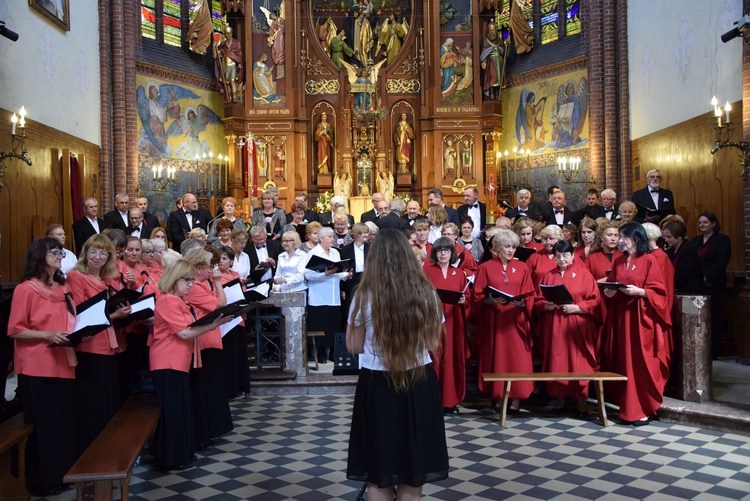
x,y
608,210
475,206
522,211
655,190
261,247
559,211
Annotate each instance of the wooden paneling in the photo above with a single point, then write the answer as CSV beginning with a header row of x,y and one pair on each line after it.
x,y
700,181
34,196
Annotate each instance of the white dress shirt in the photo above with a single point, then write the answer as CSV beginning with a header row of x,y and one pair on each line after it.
x,y
262,254
476,217
125,219
359,258
94,222
654,196
241,264
323,290
291,268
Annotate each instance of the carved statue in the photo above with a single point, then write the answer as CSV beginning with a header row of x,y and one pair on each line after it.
x,y
523,35
403,138
493,54
228,67
391,35
276,37
342,185
200,30
363,83
385,184
279,162
324,141
264,86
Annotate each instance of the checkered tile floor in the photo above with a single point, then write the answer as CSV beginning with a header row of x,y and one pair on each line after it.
x,y
294,448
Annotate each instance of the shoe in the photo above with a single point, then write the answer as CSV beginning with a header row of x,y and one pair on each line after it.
x,y
512,412
450,410
642,421
203,447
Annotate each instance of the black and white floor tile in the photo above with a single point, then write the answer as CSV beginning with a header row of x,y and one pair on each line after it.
x,y
294,448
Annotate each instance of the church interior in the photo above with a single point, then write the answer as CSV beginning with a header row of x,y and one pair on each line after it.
x,y
157,98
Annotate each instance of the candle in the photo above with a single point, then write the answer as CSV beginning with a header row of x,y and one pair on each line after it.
x,y
714,102
727,108
154,170
161,169
13,122
717,114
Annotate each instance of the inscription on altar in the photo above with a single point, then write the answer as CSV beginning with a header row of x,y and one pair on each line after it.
x,y
268,112
457,109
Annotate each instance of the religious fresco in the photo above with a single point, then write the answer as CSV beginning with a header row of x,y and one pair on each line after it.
x,y
360,32
178,121
457,70
455,15
548,116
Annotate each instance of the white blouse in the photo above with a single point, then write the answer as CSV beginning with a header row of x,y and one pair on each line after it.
x,y
289,268
322,290
241,264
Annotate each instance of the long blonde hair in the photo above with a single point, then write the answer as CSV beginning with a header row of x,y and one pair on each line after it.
x,y
404,309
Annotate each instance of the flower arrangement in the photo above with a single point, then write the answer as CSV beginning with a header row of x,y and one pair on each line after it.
x,y
324,203
246,218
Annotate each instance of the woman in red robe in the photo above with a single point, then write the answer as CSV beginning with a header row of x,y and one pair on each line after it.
x,y
543,261
464,259
665,265
599,264
97,372
450,358
524,228
43,314
570,331
637,319
586,238
503,328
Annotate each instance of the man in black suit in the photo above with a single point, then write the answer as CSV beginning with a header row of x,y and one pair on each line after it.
x,y
372,215
412,213
475,209
559,214
148,218
88,225
435,197
592,209
523,198
263,254
653,197
326,218
118,218
609,207
183,220
138,227
310,215
389,219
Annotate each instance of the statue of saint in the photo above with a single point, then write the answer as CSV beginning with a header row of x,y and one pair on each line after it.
x,y
324,141
228,67
264,86
385,184
493,52
279,161
342,185
523,35
449,159
403,138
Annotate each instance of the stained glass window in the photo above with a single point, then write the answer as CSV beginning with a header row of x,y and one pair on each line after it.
x,y
148,19
572,17
216,15
172,23
549,20
502,19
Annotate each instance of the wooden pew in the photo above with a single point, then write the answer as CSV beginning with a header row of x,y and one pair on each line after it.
x,y
597,377
113,453
13,439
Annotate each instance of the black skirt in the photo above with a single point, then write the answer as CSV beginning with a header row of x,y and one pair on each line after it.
x,y
211,415
326,319
234,361
97,395
173,440
397,437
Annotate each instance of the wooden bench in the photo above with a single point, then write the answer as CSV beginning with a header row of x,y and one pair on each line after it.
x,y
13,439
113,453
597,377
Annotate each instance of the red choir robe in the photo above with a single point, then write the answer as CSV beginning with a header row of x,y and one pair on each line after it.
x,y
466,261
449,360
569,341
579,254
540,264
636,340
666,266
599,265
503,332
534,245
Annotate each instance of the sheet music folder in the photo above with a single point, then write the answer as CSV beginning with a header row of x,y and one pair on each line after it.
x,y
558,294
230,310
321,264
496,293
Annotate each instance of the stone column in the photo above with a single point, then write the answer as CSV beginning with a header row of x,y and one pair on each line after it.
x,y
292,306
691,364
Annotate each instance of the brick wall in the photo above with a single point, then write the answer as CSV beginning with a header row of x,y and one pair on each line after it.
x,y
746,134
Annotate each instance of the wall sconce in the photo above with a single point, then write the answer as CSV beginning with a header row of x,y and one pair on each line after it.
x,y
16,143
724,133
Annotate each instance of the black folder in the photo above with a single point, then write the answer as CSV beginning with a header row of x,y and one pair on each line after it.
x,y
143,314
230,310
321,264
121,297
449,297
259,292
89,329
524,253
558,294
496,293
644,211
611,285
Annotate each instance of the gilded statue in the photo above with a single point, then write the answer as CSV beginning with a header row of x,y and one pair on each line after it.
x,y
228,67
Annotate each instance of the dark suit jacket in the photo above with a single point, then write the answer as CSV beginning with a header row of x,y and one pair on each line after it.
x,y
178,227
348,286
273,247
326,219
591,211
452,215
392,220
82,231
150,220
310,216
114,220
716,254
370,215
145,230
568,216
513,213
615,213
688,277
643,197
411,222
464,211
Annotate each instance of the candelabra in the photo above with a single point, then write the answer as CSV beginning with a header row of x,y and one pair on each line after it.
x,y
569,169
16,143
724,134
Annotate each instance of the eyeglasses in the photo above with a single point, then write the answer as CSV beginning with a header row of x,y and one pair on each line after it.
x,y
57,254
150,252
188,281
448,234
444,249
287,240
97,253
132,251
